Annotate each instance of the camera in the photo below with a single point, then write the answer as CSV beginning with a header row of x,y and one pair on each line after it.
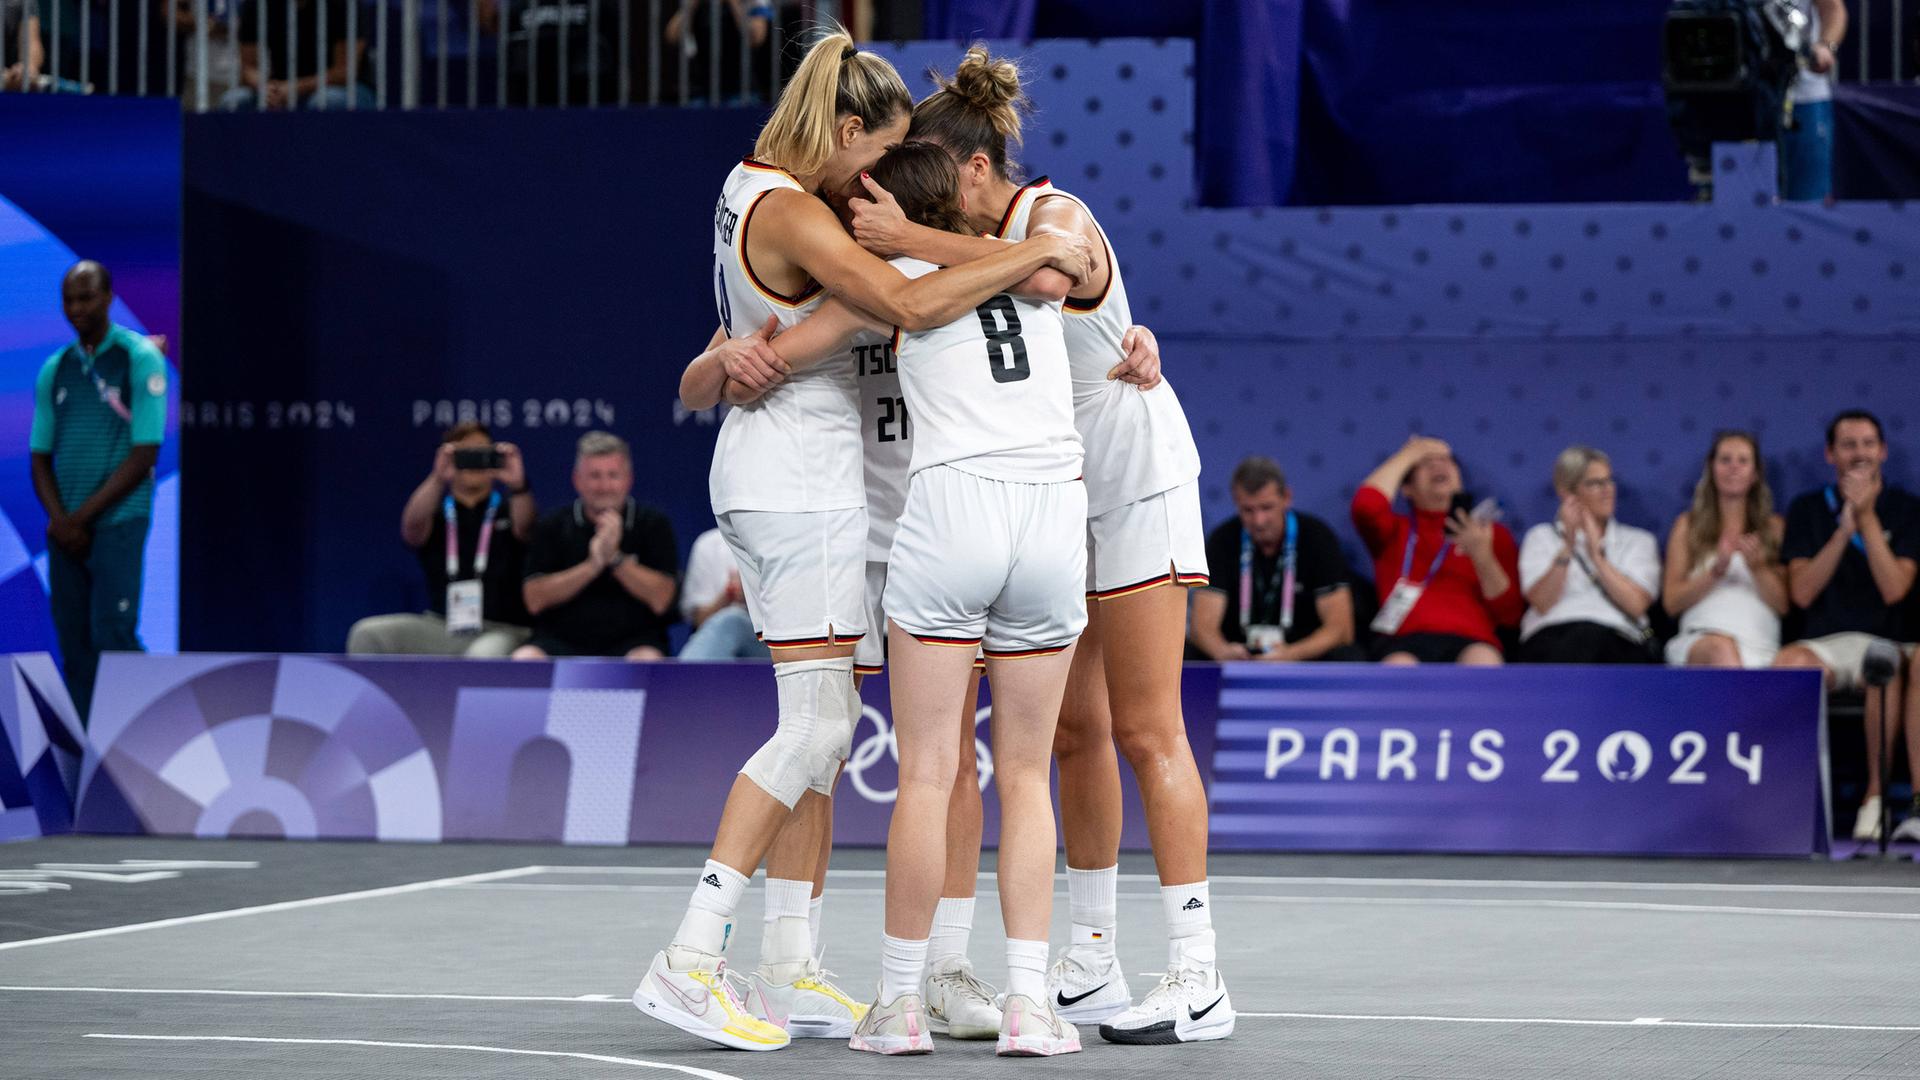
x,y
477,458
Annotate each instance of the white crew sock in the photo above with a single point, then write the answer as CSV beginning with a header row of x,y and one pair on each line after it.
x,y
902,964
1189,910
813,925
786,939
1093,907
952,926
709,919
1027,968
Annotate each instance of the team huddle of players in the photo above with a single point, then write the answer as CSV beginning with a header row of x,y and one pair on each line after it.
x,y
949,449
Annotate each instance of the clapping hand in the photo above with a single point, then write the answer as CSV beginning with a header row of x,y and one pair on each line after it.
x,y
1748,545
605,545
1723,556
1861,490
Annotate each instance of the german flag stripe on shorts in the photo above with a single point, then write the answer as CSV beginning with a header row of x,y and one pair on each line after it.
x,y
1170,577
809,643
1026,654
953,642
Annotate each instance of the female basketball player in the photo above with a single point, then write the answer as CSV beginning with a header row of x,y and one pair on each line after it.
x,y
990,551
787,492
1145,539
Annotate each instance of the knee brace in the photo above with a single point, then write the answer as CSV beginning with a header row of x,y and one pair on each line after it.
x,y
813,731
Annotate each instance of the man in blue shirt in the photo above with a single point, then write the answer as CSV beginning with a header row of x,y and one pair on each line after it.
x,y
99,413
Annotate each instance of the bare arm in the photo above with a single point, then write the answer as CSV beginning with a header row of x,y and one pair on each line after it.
x,y
1547,591
250,65
1209,608
1808,578
1069,217
882,228
800,224
1893,574
335,75
1625,592
46,487
1336,627
825,333
1681,587
416,518
645,584
1387,478
552,590
706,376
32,48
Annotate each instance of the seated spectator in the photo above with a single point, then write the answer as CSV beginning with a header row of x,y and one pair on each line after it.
x,y
1588,579
711,599
475,571
1851,549
1278,583
601,572
1724,581
1447,580
22,54
296,81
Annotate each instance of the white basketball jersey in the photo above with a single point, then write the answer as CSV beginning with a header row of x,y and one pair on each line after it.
x,y
1138,443
989,392
798,448
888,435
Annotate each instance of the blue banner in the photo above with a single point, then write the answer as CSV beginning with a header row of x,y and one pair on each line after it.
x,y
1536,760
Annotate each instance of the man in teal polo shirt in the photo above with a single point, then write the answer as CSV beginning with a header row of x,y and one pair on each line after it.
x,y
99,413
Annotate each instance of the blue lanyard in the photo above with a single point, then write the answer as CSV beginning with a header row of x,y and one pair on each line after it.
x,y
1289,557
1833,504
453,537
1406,561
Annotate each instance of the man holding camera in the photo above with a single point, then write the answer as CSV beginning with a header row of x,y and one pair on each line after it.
x,y
1277,583
1448,574
601,573
471,539
1851,551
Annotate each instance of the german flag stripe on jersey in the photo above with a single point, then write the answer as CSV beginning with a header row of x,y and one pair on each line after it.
x,y
772,296
1026,654
1006,219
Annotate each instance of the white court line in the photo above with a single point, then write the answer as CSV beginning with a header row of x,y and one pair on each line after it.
x,y
578,999
1643,1021
1318,898
264,909
1382,882
1401,1018
605,1059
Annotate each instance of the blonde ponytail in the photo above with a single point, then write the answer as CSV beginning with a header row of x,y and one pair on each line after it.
x,y
834,80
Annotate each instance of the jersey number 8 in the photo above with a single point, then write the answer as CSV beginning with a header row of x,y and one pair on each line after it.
x,y
1006,349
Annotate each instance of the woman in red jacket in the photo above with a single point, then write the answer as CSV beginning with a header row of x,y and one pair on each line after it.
x,y
1447,582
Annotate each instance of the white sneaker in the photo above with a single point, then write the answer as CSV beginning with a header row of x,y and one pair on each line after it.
x,y
1866,825
1030,1028
808,1007
1086,987
898,1027
1908,830
959,1005
1189,1005
697,994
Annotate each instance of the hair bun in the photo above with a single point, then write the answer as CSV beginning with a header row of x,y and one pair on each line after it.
x,y
987,83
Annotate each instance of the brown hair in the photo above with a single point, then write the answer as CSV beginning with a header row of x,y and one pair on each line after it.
x,y
919,175
1703,520
978,111
1255,473
465,428
834,80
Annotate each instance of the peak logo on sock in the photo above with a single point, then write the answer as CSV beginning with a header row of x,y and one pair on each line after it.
x,y
711,879
1192,904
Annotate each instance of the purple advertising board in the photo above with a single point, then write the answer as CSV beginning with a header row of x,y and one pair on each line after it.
x,y
40,748
574,751
1562,760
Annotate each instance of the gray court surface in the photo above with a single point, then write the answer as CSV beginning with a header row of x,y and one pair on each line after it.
x,y
163,958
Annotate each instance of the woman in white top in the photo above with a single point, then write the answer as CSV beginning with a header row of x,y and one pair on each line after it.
x,y
789,499
1589,579
1146,545
1724,578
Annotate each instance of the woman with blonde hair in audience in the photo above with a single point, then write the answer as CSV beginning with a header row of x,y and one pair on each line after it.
x,y
1724,579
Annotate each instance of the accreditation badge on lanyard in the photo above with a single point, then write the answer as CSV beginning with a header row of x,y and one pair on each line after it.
x,y
465,599
1265,637
1406,592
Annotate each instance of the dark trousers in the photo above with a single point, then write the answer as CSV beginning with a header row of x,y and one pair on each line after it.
x,y
96,603
1582,643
